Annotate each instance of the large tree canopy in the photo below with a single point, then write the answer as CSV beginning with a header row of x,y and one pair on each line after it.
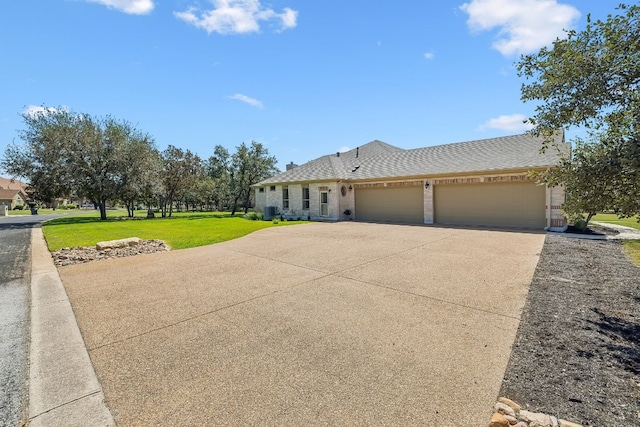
x,y
591,80
67,153
249,165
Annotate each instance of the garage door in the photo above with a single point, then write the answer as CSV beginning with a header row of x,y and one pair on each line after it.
x,y
394,204
499,204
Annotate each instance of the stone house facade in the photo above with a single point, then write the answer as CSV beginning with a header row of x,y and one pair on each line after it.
x,y
475,183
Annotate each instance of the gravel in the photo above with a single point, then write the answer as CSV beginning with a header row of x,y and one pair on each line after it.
x,y
78,255
577,350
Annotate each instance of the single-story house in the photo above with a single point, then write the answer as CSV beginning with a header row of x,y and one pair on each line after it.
x,y
12,198
474,183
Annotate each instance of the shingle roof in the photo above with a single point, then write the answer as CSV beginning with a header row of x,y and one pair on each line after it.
x,y
377,160
8,194
12,184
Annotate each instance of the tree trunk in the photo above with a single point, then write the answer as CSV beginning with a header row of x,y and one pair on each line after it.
x,y
235,206
246,202
102,205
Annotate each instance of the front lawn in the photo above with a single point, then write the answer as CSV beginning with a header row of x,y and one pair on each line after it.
x,y
185,230
613,219
633,249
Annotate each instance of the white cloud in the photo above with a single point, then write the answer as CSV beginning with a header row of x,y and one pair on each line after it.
x,y
237,16
343,149
524,25
509,123
34,110
429,55
134,7
247,100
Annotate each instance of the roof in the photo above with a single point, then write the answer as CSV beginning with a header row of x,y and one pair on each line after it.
x,y
377,160
12,184
10,194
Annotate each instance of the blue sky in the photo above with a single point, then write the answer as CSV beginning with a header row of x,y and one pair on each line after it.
x,y
305,78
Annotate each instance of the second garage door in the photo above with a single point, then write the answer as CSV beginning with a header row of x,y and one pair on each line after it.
x,y
394,204
495,204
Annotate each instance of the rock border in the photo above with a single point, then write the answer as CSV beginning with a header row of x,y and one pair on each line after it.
x,y
80,255
507,413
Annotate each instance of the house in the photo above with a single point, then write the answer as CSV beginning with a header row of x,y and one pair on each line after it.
x,y
474,183
12,198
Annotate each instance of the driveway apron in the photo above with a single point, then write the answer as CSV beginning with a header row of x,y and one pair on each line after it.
x,y
317,324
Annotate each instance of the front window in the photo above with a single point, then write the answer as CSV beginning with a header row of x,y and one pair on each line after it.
x,y
305,197
285,197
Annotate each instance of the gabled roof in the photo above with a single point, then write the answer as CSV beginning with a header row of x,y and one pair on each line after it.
x,y
12,184
10,194
378,160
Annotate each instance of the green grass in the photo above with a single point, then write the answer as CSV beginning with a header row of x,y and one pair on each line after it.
x,y
613,219
633,249
184,230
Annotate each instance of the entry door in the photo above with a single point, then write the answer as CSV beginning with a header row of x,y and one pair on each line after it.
x,y
324,203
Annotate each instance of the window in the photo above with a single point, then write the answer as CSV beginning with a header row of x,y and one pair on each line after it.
x,y
261,190
272,188
305,197
285,197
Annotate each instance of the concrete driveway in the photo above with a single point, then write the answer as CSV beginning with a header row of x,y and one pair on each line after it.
x,y
316,324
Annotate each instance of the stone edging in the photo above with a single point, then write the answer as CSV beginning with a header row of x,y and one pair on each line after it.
x,y
507,413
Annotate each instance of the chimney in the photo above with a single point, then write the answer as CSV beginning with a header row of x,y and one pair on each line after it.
x,y
357,151
291,166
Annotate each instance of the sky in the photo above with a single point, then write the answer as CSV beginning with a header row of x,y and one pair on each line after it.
x,y
304,78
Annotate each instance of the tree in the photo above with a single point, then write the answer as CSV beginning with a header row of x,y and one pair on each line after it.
x,y
140,173
41,160
249,165
591,79
589,177
218,170
180,173
66,153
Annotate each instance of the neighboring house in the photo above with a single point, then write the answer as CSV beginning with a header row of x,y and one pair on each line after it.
x,y
13,184
475,183
12,198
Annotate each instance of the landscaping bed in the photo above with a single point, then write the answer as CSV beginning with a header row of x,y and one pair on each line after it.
x,y
577,351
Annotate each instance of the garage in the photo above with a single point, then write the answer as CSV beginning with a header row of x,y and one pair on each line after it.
x,y
392,204
520,204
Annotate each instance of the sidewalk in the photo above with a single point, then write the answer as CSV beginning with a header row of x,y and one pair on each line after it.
x,y
63,388
624,232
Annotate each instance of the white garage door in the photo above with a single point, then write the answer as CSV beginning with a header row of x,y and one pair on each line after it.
x,y
497,204
393,204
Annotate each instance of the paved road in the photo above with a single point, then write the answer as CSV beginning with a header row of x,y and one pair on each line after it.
x,y
15,275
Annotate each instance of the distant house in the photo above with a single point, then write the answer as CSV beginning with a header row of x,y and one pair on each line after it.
x,y
13,184
475,183
12,198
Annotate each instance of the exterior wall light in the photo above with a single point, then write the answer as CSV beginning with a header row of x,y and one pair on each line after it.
x,y
350,187
426,184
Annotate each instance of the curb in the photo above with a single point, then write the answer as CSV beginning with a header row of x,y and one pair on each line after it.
x,y
63,387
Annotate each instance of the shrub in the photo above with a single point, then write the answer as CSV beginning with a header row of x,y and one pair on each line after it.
x,y
275,220
18,207
252,216
580,225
